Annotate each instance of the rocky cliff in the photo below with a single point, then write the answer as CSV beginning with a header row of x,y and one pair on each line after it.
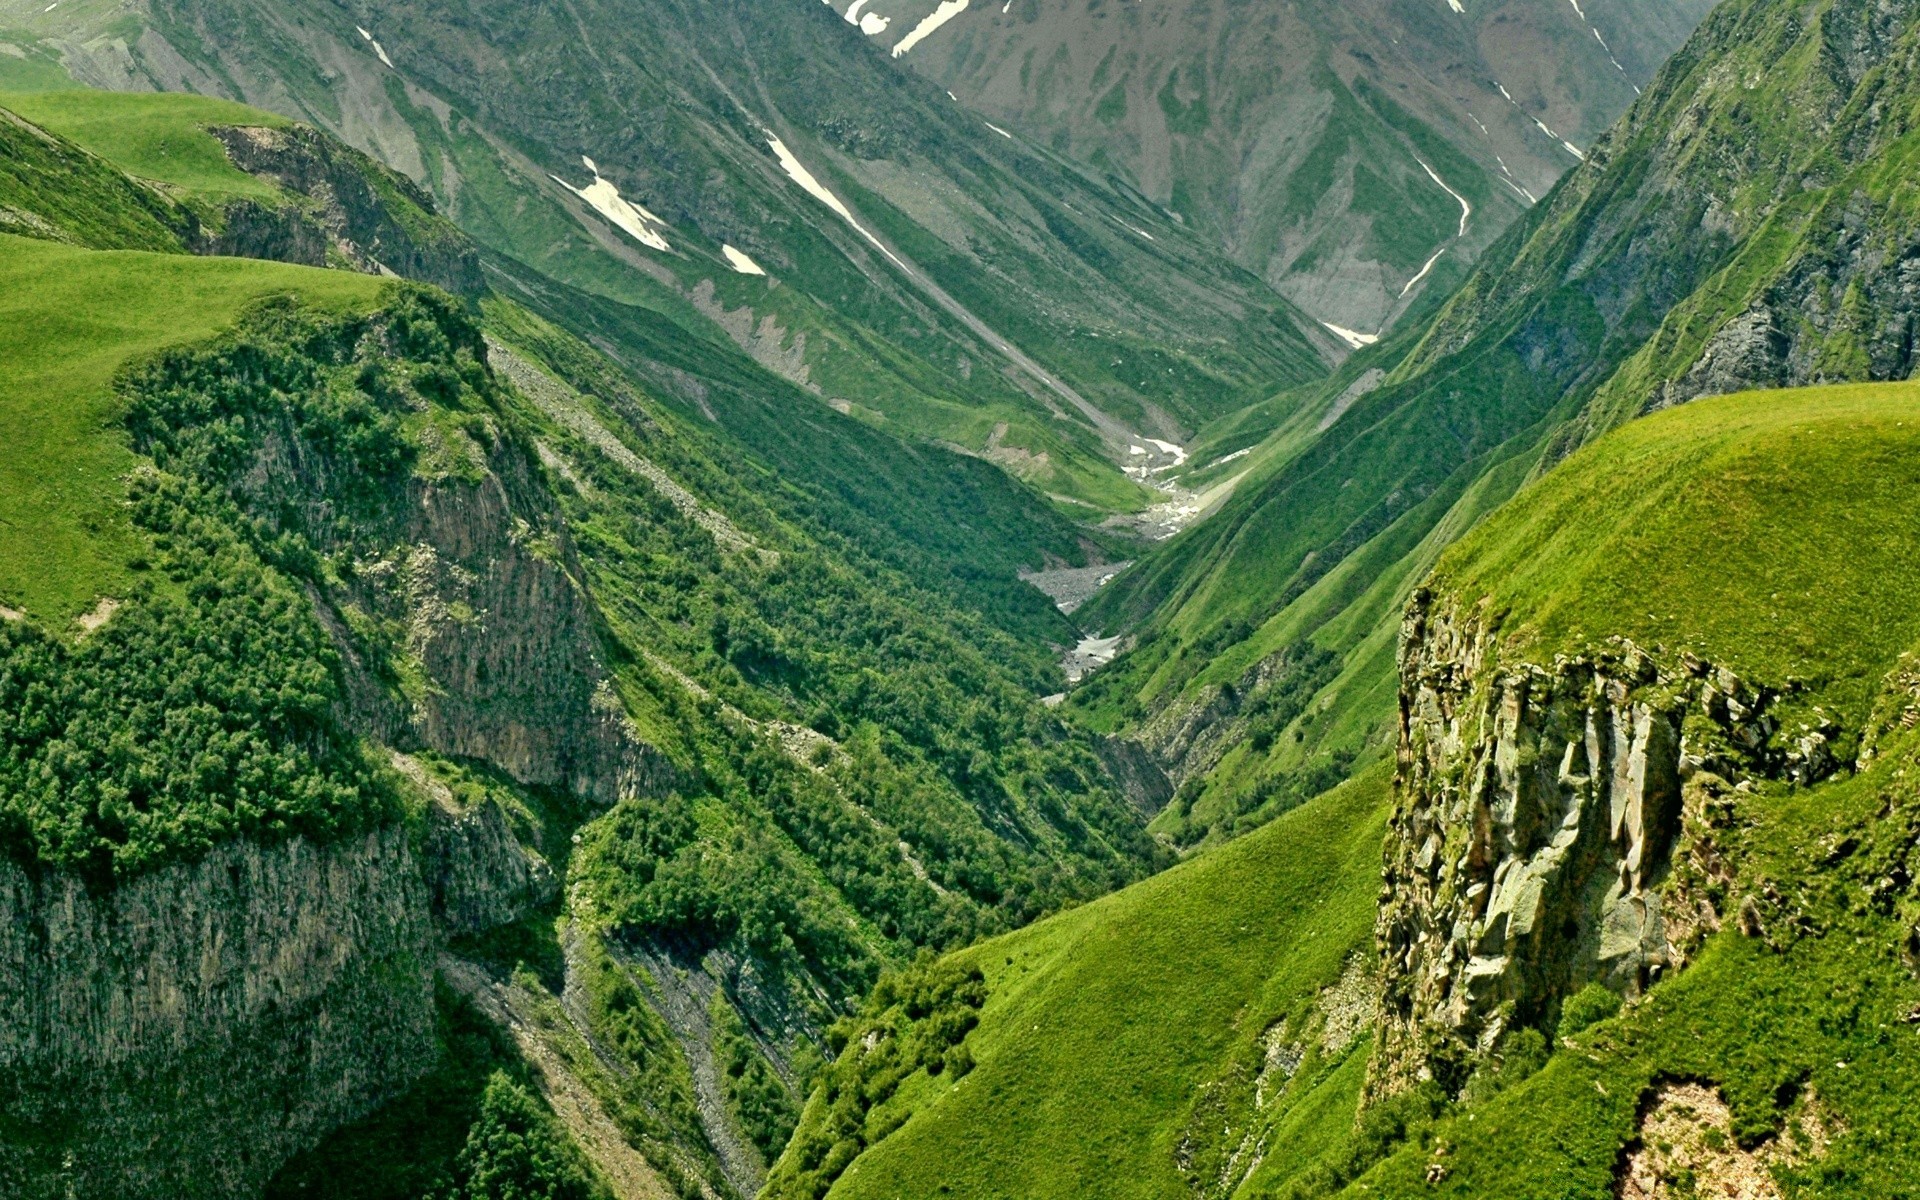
x,y
184,1031
346,207
182,1034
1542,810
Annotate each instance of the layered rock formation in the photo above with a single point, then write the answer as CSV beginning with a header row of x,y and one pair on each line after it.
x,y
1540,809
356,211
185,1032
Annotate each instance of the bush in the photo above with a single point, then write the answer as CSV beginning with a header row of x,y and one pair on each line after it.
x,y
1589,1006
516,1151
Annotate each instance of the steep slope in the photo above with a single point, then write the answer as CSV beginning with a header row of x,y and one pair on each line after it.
x,y
890,253
586,757
302,197
1655,746
1759,176
237,181
1356,156
1719,671
1115,1039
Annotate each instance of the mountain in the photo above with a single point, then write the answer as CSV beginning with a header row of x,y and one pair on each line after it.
x,y
1656,746
1740,227
875,244
420,732
1356,156
473,723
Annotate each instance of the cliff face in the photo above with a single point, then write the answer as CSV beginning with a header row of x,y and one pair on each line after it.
x,y
1541,810
356,209
184,1033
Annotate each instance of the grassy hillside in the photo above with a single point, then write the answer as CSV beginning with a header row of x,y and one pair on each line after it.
x,y
1769,532
68,319
1718,238
152,136
1106,1029
1779,527
1122,1047
51,188
843,757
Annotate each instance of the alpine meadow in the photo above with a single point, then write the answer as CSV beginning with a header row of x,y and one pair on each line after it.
x,y
918,599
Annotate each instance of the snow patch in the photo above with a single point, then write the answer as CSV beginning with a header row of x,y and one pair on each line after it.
x,y
1351,337
1134,229
948,10
740,262
872,23
364,35
1234,457
1466,210
1573,149
609,203
1506,93
1456,6
1423,271
1003,133
797,171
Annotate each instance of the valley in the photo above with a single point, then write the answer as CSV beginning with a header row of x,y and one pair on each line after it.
x,y
1053,598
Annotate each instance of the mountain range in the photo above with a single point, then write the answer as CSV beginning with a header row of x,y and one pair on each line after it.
x,y
1357,157
912,599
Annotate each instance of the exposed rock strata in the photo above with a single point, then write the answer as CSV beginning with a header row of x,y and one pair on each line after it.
x,y
1539,812
346,214
479,873
187,1031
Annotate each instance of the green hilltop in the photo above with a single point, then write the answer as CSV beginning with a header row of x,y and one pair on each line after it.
x,y
69,319
1768,532
156,136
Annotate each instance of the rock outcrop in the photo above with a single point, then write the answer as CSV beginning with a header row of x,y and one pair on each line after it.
x,y
1539,811
352,210
481,876
184,1033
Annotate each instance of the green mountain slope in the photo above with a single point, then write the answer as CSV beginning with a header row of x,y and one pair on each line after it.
x,y
301,201
65,535
1736,567
667,757
1113,1035
893,256
1662,269
1302,137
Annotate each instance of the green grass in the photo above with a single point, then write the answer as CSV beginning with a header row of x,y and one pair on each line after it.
x,y
1103,1023
158,136
68,319
33,68
1769,532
